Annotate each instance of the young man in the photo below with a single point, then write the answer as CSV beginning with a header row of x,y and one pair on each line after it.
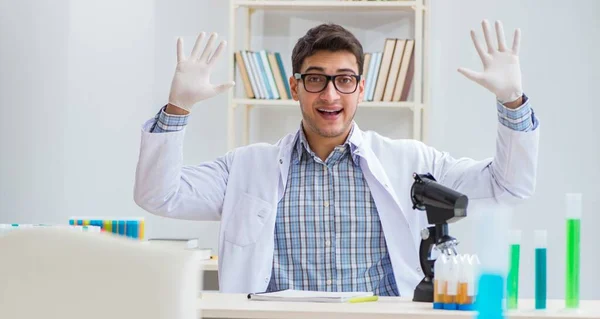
x,y
326,208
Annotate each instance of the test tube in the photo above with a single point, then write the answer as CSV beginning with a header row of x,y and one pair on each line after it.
x,y
464,301
573,207
474,264
492,230
541,244
513,271
451,273
439,281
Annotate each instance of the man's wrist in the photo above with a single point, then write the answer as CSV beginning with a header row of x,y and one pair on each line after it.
x,y
514,104
175,110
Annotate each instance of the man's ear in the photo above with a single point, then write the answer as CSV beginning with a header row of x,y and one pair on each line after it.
x,y
294,88
361,89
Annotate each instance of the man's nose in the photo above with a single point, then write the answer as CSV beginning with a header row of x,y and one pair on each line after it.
x,y
330,93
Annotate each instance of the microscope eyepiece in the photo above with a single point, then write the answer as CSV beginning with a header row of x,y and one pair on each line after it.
x,y
443,204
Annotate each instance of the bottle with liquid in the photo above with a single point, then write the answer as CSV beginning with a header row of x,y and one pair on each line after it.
x,y
541,244
573,225
466,282
513,271
451,274
439,281
492,248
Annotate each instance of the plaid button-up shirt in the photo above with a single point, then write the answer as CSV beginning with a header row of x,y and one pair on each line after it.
x,y
328,235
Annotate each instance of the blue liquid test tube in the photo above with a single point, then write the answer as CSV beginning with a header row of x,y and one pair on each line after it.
x,y
541,245
493,251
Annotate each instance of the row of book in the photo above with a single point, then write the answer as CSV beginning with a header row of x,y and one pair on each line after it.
x,y
388,74
263,75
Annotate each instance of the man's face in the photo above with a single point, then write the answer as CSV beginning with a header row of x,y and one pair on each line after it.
x,y
328,113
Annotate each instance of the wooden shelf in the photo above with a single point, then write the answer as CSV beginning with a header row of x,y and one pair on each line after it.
x,y
263,102
328,5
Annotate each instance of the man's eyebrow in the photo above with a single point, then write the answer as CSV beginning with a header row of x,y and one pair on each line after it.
x,y
321,69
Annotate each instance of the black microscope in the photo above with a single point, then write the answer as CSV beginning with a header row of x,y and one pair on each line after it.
x,y
443,205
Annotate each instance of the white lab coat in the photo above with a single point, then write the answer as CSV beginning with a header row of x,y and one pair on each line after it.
x,y
243,187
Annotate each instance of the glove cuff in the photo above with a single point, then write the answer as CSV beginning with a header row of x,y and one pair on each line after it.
x,y
509,97
180,104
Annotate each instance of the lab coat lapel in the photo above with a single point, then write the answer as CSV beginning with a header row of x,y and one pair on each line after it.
x,y
371,165
283,160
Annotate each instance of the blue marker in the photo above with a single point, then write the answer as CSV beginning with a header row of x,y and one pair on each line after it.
x,y
132,229
122,227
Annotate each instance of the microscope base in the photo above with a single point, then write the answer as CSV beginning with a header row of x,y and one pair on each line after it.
x,y
424,291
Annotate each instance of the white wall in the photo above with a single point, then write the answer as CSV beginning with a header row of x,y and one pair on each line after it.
x,y
559,50
79,77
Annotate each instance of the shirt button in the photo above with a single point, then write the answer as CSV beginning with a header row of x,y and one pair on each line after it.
x,y
328,282
326,204
327,243
419,269
280,161
325,168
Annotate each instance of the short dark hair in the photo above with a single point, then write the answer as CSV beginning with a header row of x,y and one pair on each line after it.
x,y
326,37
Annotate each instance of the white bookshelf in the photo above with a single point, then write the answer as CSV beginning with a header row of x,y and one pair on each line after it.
x,y
417,106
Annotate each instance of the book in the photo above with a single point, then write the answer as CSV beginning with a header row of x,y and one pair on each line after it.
x,y
373,74
270,79
384,69
291,295
277,76
262,75
283,74
409,79
394,69
404,79
257,75
251,75
241,64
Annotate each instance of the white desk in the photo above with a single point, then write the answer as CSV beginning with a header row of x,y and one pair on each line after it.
x,y
207,265
210,265
216,305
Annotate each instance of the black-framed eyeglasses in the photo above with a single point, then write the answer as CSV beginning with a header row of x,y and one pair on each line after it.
x,y
316,83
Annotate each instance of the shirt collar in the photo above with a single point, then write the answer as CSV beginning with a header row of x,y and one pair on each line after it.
x,y
302,147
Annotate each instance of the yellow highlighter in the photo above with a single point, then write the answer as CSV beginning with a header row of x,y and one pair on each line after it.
x,y
363,299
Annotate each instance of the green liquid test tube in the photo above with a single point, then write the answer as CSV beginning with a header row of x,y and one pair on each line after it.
x,y
541,244
573,207
513,271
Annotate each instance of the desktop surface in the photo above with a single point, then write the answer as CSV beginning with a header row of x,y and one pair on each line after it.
x,y
222,305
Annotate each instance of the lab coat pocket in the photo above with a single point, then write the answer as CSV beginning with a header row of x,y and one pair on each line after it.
x,y
250,214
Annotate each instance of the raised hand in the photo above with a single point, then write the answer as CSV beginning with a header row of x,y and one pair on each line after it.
x,y
501,69
191,82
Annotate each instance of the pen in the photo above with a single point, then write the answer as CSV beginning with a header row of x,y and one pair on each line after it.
x,y
363,299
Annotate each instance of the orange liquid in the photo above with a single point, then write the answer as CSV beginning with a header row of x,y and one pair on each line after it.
x,y
448,298
463,298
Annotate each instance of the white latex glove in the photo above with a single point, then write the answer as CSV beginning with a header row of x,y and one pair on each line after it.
x,y
191,82
501,70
